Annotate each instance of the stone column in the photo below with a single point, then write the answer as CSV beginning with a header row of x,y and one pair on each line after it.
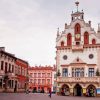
x,y
69,72
86,71
71,91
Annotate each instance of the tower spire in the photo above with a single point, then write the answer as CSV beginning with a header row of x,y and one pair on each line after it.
x,y
57,31
99,27
77,4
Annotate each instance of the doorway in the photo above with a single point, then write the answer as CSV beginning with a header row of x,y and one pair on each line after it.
x,y
65,90
91,91
77,90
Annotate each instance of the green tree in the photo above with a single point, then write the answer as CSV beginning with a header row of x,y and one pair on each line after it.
x,y
58,73
97,72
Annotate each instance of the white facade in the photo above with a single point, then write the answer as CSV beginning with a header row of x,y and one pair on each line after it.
x,y
78,52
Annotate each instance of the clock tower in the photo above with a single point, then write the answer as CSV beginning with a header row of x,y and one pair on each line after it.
x,y
78,57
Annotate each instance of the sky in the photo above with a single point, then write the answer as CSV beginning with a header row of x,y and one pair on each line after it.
x,y
28,28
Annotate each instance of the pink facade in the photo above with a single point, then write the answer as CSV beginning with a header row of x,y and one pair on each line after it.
x,y
40,78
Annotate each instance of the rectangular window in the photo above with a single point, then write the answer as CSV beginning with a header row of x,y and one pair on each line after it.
x,y
39,81
9,68
12,68
16,70
77,72
6,65
48,74
2,64
65,72
91,72
31,74
39,74
43,81
35,81
35,74
48,81
43,74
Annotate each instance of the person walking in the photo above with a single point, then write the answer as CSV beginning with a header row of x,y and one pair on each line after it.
x,y
50,92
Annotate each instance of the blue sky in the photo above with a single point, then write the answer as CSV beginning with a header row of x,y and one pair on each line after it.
x,y
28,27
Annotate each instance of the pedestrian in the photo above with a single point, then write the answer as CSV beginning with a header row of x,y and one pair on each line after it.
x,y
27,91
50,92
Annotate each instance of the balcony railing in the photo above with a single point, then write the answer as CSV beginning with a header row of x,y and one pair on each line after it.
x,y
78,79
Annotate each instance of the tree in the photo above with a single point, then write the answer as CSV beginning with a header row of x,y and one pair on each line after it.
x,y
97,72
58,73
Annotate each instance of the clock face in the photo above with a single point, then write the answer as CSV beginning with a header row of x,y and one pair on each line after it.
x,y
77,36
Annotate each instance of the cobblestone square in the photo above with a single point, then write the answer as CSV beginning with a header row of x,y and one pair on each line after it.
x,y
34,96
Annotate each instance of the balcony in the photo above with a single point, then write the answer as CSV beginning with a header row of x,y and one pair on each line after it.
x,y
78,79
77,47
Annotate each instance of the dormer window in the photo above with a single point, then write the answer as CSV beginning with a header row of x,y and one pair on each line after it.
x,y
77,32
86,38
93,41
69,39
62,43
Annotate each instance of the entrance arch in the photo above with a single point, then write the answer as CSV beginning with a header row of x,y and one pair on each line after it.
x,y
77,90
65,90
91,90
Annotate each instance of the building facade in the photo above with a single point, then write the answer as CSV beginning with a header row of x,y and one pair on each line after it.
x,y
41,78
21,71
9,71
78,57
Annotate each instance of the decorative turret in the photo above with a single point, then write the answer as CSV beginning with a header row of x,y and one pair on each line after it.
x,y
90,23
58,32
77,3
77,14
98,32
65,25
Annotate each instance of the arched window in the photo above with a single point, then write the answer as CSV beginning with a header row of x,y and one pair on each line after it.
x,y
69,39
77,31
86,38
62,43
93,41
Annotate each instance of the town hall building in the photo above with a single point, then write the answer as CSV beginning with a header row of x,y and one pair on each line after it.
x,y
78,57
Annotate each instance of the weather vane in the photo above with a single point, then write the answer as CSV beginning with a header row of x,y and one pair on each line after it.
x,y
77,3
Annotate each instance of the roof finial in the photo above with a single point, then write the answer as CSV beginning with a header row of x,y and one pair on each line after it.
x,y
57,31
77,3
